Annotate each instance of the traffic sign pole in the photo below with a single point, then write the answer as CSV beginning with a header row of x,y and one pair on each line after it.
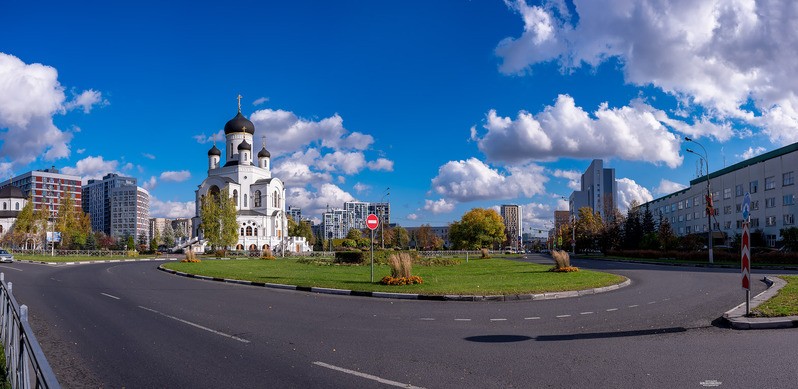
x,y
372,222
746,253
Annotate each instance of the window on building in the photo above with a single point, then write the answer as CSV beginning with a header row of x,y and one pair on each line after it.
x,y
697,201
242,231
681,230
727,193
739,224
787,179
249,231
680,205
770,202
789,219
771,240
16,206
256,231
755,222
755,205
235,196
789,199
739,207
753,186
697,214
727,224
245,200
727,210
770,182
715,196
689,216
673,207
687,203
4,206
738,190
256,199
687,229
681,218
770,221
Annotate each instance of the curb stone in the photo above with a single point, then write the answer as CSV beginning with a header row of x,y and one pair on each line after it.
x,y
736,316
95,261
706,265
410,296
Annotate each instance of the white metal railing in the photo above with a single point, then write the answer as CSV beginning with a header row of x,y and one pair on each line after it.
x,y
26,365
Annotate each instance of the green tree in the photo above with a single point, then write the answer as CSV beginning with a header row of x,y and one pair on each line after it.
x,y
153,245
667,239
588,228
611,234
228,219
354,234
647,224
168,236
478,228
130,243
91,242
789,237
301,229
210,219
632,229
400,238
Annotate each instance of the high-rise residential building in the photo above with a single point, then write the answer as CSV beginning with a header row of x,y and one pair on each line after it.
x,y
295,213
130,212
97,199
359,212
46,187
599,191
511,214
158,225
182,229
769,179
336,223
382,211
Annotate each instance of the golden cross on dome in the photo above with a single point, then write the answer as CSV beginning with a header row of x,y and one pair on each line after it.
x,y
239,103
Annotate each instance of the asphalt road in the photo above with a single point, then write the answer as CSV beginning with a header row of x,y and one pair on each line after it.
x,y
130,325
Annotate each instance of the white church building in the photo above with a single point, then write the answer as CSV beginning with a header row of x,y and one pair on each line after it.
x,y
259,197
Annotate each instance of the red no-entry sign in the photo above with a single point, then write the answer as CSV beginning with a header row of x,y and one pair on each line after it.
x,y
372,222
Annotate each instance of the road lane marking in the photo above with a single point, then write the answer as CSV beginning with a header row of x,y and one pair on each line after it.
x,y
108,295
612,309
633,306
562,316
427,319
462,319
367,376
586,313
652,302
196,325
9,267
532,318
498,319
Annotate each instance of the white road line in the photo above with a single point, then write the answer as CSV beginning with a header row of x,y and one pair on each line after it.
x,y
498,319
9,267
462,319
367,376
586,313
427,318
196,325
532,318
632,306
108,295
562,316
652,302
612,309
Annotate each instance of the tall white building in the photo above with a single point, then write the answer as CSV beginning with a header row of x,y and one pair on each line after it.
x,y
259,197
97,199
768,178
130,212
513,229
599,191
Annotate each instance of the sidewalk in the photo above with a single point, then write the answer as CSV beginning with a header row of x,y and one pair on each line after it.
x,y
736,316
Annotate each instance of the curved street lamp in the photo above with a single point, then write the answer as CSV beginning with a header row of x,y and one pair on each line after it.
x,y
709,195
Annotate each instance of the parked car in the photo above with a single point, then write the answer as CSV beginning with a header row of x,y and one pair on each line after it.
x,y
5,256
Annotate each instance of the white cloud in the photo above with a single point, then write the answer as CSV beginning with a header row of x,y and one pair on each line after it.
x,y
91,168
724,56
86,100
5,171
316,203
148,155
412,216
563,204
471,180
360,188
149,184
574,178
346,162
30,95
295,173
215,137
260,100
751,152
439,206
81,151
175,176
632,132
128,166
629,190
171,209
668,187
381,164
536,215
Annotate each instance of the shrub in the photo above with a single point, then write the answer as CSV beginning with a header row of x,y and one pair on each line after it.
x,y
388,280
401,265
562,262
267,254
190,257
484,253
132,253
349,257
219,253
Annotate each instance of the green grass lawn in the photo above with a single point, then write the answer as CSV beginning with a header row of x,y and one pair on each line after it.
x,y
785,303
477,277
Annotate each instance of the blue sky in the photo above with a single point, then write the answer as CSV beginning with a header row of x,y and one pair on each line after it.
x,y
450,104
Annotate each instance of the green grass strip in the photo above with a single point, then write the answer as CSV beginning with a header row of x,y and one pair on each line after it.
x,y
784,303
477,277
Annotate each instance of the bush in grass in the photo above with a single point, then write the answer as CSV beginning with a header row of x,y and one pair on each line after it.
x,y
190,257
267,254
562,262
484,253
132,253
349,257
401,271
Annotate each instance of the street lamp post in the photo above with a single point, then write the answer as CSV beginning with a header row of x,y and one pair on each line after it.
x,y
709,208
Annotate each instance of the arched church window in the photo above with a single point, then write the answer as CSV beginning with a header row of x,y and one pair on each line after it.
x,y
242,231
235,196
4,206
17,206
256,231
275,200
256,199
245,157
249,231
245,200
